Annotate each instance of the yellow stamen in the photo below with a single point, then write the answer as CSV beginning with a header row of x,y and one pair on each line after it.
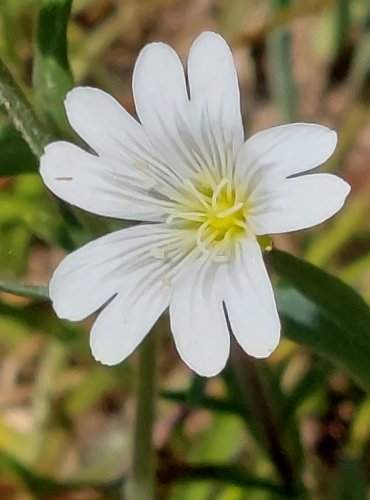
x,y
216,215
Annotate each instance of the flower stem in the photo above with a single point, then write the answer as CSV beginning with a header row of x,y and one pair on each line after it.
x,y
142,484
20,112
253,390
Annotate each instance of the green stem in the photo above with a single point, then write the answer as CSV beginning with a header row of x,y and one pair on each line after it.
x,y
342,18
20,112
253,389
281,77
13,100
142,484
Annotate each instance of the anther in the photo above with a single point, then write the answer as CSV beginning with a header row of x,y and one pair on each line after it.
x,y
229,211
217,192
193,216
199,196
203,244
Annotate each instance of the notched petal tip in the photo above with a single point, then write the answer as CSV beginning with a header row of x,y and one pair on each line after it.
x,y
210,44
62,307
325,138
102,358
64,313
156,45
343,191
333,134
106,350
49,162
75,93
156,58
253,346
211,36
46,161
82,102
151,50
77,99
80,92
339,191
346,188
268,349
204,371
332,138
339,196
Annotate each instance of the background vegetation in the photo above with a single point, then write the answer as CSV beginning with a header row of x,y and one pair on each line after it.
x,y
294,426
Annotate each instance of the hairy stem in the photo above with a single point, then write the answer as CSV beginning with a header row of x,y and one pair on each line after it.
x,y
20,112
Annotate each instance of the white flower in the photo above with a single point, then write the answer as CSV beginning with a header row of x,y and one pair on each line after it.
x,y
205,195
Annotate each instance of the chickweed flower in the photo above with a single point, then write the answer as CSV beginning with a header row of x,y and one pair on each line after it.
x,y
203,196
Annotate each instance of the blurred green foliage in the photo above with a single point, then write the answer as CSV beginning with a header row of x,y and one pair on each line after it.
x,y
294,426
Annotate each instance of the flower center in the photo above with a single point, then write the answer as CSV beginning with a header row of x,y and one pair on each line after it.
x,y
215,215
224,213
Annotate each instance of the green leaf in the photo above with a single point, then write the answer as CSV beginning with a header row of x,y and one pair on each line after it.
x,y
325,314
44,486
15,155
342,25
229,474
310,383
337,300
17,107
52,76
29,291
350,482
207,402
36,316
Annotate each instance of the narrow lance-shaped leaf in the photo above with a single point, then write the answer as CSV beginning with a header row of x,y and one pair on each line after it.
x,y
320,311
38,292
52,76
221,473
280,67
338,301
52,80
19,111
45,486
15,155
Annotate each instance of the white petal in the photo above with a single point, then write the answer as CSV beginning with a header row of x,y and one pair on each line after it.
x,y
123,324
90,276
285,150
96,185
299,203
250,303
163,106
104,124
214,89
198,322
159,90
